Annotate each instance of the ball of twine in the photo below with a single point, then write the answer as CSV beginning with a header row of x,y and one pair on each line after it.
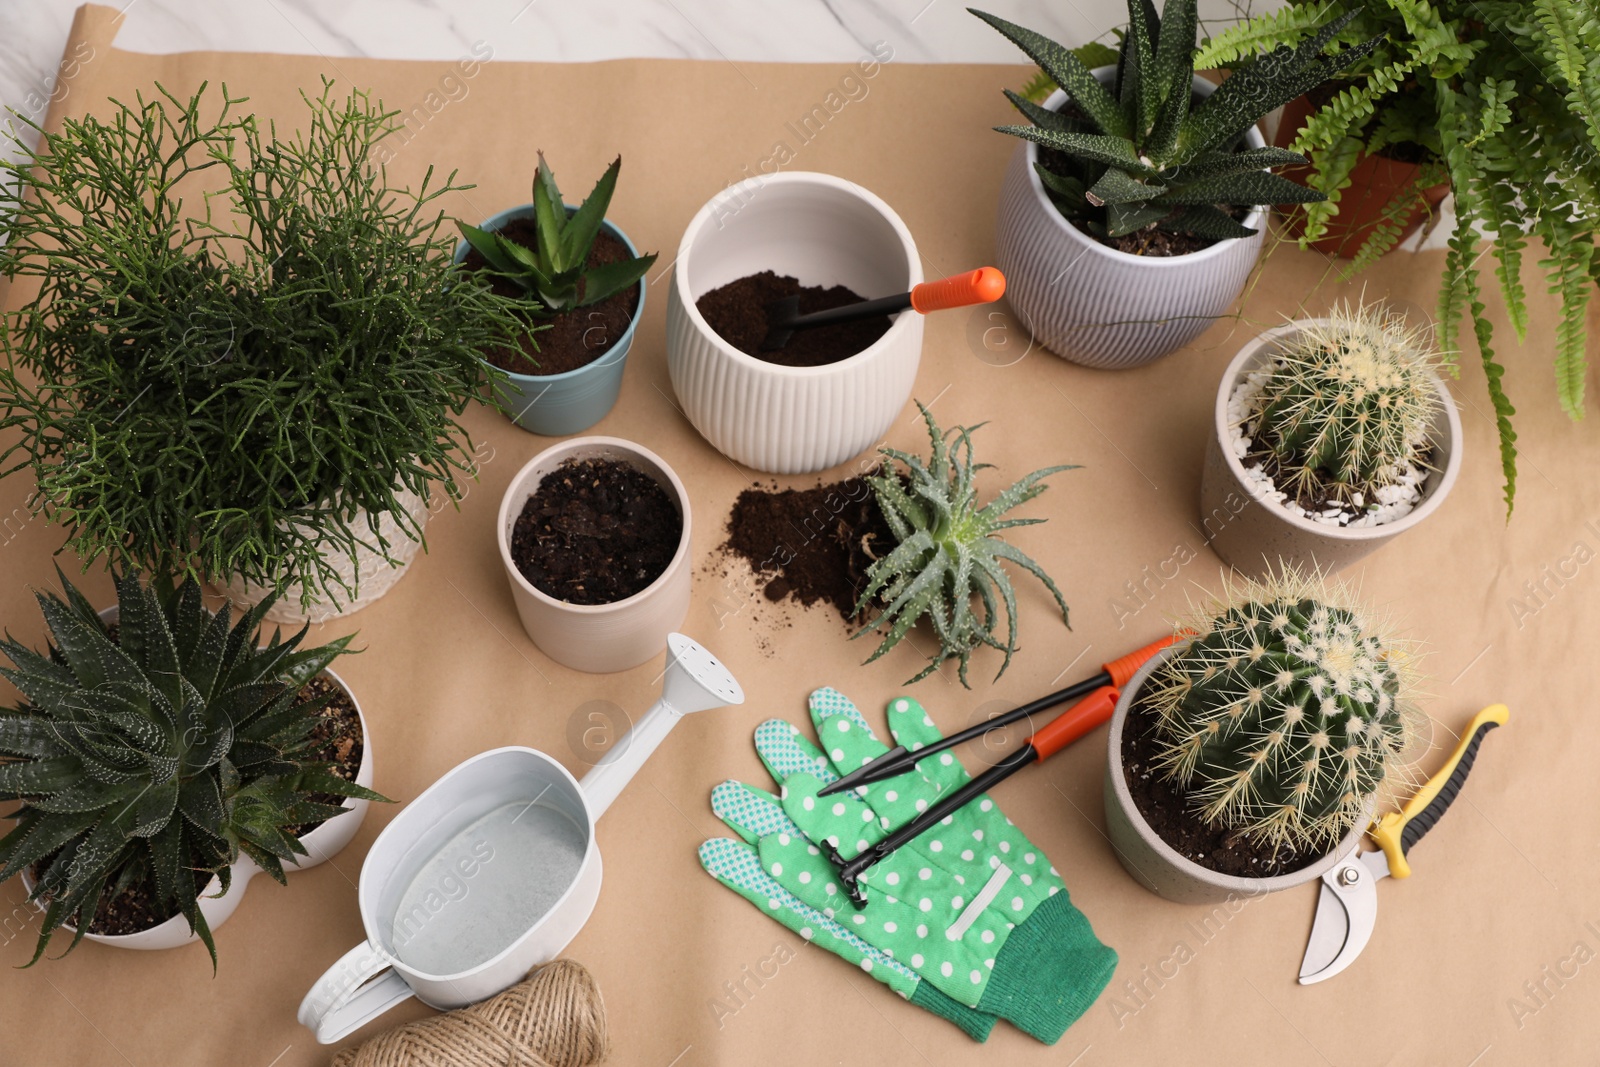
x,y
554,1018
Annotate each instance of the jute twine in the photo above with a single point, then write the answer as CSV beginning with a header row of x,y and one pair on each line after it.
x,y
555,1018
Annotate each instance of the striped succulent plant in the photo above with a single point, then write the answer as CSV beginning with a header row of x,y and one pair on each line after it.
x,y
154,755
1141,152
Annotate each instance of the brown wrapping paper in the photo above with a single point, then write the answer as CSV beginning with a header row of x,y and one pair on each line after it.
x,y
1482,957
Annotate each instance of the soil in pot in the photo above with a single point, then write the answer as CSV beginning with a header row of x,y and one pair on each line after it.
x,y
1167,812
738,312
575,338
596,531
810,546
337,739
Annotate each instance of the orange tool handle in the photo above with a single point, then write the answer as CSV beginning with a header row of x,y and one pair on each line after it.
x,y
1085,715
982,286
1123,669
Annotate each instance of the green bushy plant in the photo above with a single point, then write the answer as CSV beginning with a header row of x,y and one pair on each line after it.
x,y
1142,153
156,756
946,551
242,340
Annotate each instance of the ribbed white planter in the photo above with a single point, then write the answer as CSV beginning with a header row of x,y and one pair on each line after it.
x,y
1255,535
1093,304
368,572
321,845
598,638
824,231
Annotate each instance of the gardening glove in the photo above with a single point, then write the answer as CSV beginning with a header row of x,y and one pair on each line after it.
x,y
972,905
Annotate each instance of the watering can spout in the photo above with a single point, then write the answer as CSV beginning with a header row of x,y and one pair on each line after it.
x,y
694,681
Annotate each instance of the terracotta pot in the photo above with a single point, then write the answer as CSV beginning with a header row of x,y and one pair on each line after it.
x,y
1373,183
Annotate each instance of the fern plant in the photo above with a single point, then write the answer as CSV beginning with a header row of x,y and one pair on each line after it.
x,y
1142,153
947,551
148,759
1501,98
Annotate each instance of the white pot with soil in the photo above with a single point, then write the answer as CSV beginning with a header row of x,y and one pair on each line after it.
x,y
1100,306
1252,524
1150,858
594,538
820,232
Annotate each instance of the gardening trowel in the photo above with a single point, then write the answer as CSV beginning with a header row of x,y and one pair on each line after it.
x,y
982,286
1347,905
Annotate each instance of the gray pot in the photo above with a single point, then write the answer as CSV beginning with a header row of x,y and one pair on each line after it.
x,y
1159,867
1254,535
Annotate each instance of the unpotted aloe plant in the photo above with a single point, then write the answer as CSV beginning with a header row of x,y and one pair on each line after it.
x,y
1501,101
1337,434
1249,758
581,283
163,755
1131,216
266,395
946,552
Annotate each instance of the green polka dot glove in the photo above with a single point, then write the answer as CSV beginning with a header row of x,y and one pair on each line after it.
x,y
972,907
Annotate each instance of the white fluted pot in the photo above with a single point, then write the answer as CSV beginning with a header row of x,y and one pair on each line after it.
x,y
824,231
1095,305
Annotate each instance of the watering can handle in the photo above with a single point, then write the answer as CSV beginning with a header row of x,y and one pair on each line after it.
x,y
353,992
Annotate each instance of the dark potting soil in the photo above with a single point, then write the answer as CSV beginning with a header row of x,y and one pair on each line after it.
x,y
810,545
336,738
1167,812
738,312
1318,496
596,531
575,338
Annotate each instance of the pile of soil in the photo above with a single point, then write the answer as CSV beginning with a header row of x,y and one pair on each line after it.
x,y
1168,813
810,545
575,338
596,531
739,313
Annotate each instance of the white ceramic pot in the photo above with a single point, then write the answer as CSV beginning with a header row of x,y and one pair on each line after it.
x,y
824,231
321,845
1155,864
1254,535
599,638
1096,305
368,571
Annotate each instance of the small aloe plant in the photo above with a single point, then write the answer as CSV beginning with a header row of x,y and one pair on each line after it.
x,y
947,552
1142,153
555,274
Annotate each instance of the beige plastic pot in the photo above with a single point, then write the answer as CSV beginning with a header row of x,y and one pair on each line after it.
x,y
598,638
1254,534
1155,864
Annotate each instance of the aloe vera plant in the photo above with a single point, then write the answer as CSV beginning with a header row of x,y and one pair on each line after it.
x,y
154,757
554,274
946,551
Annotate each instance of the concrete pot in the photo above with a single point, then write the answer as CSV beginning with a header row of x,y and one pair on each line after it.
x,y
598,638
1095,305
1254,535
1155,864
555,405
824,231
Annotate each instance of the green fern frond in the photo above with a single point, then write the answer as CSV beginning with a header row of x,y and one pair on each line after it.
x,y
1247,40
1330,178
1570,39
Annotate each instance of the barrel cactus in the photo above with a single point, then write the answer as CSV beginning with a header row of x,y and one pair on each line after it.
x,y
1286,713
1348,404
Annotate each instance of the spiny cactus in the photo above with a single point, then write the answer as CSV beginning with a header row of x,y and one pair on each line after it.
x,y
946,551
1142,153
1286,713
1349,404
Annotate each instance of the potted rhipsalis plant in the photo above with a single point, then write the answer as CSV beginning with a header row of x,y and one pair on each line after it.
x,y
580,283
1248,759
1330,436
266,394
1133,211
163,756
945,559
1500,101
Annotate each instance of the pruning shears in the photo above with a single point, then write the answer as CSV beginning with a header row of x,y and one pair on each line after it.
x,y
1347,905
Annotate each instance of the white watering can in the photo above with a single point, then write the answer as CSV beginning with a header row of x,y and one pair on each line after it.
x,y
444,923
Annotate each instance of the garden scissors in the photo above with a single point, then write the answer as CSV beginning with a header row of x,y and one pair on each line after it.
x,y
1347,906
